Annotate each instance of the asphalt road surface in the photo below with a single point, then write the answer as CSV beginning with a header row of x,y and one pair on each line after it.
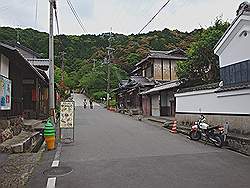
x,y
115,151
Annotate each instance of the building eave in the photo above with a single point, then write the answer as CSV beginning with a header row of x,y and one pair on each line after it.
x,y
166,86
14,51
240,12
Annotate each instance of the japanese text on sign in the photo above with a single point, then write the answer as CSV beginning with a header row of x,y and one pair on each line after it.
x,y
67,115
5,93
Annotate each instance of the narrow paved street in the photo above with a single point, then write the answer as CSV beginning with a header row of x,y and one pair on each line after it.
x,y
114,150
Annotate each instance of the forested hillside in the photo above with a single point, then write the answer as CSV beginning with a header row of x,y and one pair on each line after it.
x,y
81,52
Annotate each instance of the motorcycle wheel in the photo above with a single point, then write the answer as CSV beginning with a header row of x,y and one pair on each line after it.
x,y
195,135
219,140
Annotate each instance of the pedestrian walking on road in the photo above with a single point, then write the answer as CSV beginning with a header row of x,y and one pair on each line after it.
x,y
85,103
91,104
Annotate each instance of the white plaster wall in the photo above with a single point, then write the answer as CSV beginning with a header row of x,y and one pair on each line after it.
x,y
207,101
234,47
238,49
4,67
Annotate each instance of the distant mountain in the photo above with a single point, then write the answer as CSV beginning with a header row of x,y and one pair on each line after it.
x,y
87,48
82,51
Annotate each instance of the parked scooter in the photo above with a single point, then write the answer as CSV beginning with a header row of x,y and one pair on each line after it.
x,y
201,129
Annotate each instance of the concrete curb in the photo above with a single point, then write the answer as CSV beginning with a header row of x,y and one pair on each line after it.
x,y
157,120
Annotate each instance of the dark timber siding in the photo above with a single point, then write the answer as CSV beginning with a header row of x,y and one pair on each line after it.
x,y
238,73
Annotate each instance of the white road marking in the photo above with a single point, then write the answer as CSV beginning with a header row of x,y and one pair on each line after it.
x,y
55,163
51,183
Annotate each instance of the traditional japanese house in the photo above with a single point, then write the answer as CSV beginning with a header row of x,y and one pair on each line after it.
x,y
160,66
229,100
128,92
27,86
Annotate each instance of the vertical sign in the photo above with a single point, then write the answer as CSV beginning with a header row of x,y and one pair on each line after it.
x,y
67,115
5,93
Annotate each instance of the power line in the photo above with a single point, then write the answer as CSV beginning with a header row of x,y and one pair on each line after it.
x,y
154,16
76,16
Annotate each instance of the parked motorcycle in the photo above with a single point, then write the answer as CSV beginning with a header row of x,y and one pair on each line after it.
x,y
201,129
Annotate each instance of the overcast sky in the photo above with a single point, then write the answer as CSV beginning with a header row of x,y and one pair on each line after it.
x,y
124,16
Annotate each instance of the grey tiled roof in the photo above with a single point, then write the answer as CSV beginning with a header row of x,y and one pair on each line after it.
x,y
234,87
198,88
133,82
13,52
140,80
161,87
164,55
244,7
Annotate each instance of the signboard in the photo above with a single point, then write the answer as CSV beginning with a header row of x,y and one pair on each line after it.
x,y
5,93
67,115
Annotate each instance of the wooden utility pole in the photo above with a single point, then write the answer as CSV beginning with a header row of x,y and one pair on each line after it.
x,y
109,62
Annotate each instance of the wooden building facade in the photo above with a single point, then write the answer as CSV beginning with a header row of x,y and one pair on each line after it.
x,y
29,89
160,67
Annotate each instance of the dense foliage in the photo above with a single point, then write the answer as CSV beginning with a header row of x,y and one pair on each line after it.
x,y
82,51
203,65
84,59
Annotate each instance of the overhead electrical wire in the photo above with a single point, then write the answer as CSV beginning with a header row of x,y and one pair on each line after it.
x,y
76,16
154,16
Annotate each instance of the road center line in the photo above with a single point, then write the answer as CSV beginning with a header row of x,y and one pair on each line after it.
x,y
51,183
55,163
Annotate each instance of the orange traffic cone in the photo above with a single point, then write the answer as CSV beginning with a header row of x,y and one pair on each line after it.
x,y
174,128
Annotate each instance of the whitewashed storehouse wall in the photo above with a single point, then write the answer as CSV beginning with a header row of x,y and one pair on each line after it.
x,y
209,102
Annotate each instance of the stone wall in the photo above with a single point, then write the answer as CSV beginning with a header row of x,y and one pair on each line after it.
x,y
10,128
237,124
240,144
238,137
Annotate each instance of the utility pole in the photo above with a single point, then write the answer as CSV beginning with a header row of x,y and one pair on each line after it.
x,y
51,62
62,65
109,61
17,36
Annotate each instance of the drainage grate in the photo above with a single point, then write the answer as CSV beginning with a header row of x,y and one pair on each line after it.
x,y
58,171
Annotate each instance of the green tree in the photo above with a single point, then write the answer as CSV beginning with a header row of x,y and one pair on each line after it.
x,y
202,65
